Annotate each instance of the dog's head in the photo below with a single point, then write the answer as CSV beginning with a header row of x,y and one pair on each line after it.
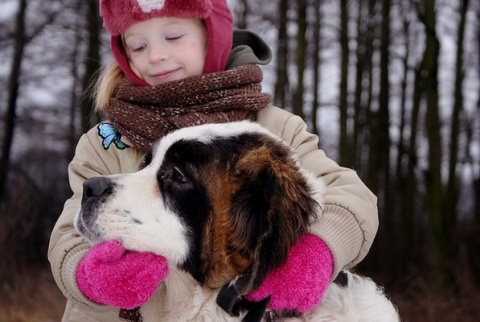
x,y
223,202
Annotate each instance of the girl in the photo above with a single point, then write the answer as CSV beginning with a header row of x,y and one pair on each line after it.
x,y
179,63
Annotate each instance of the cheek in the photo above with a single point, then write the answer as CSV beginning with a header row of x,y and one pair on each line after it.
x,y
198,53
136,67
197,65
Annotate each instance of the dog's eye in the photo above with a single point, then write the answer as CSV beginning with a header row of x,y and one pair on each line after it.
x,y
178,176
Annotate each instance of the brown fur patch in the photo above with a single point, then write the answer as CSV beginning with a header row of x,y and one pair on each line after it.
x,y
238,237
222,262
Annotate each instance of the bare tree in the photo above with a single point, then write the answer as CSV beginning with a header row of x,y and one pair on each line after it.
x,y
344,145
13,88
433,174
404,210
21,40
241,14
300,57
282,82
380,133
363,85
92,64
74,70
383,115
316,50
452,183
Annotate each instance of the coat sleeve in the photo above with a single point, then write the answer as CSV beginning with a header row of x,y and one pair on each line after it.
x,y
349,221
67,247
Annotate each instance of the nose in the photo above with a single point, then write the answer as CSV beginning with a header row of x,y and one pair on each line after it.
x,y
97,187
158,52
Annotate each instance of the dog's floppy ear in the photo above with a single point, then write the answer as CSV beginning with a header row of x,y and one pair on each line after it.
x,y
270,210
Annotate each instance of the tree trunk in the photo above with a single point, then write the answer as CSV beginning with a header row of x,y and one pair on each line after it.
x,y
362,42
405,213
92,65
387,230
366,28
452,183
281,84
437,242
241,14
13,88
316,65
301,50
384,103
476,181
73,126
344,146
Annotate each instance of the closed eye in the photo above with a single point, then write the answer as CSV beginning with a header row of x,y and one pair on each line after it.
x,y
173,38
138,49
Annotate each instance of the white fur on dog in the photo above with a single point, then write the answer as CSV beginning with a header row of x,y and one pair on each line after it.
x,y
361,301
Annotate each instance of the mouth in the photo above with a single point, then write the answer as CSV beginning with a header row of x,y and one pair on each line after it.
x,y
164,75
85,225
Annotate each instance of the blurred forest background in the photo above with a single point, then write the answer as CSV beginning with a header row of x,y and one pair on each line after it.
x,y
390,86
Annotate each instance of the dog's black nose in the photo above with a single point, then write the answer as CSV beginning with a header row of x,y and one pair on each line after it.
x,y
97,187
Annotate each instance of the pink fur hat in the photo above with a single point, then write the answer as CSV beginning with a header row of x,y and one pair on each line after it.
x,y
118,15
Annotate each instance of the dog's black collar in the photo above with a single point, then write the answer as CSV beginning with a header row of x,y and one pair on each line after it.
x,y
133,315
232,303
341,279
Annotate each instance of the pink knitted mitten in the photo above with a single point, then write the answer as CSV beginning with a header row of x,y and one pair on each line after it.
x,y
302,281
111,275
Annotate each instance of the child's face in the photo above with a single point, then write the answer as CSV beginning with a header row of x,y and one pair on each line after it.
x,y
166,49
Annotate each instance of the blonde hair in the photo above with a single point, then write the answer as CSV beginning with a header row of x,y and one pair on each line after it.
x,y
110,75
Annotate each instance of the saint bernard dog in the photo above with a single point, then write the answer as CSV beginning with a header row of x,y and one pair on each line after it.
x,y
223,203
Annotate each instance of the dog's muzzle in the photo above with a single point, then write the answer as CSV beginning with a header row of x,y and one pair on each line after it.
x,y
96,191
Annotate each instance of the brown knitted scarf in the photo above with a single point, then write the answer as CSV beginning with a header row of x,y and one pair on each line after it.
x,y
145,114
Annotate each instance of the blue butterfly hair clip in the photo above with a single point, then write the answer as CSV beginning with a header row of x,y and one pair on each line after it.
x,y
110,135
